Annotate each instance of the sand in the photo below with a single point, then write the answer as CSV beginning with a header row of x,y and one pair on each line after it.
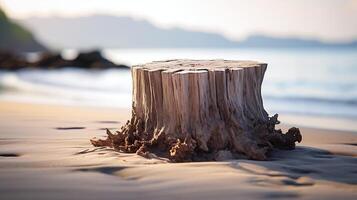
x,y
45,154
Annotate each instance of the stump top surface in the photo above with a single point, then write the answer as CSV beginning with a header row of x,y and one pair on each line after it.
x,y
187,64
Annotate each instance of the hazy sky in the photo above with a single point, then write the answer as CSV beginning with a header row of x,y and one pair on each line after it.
x,y
323,19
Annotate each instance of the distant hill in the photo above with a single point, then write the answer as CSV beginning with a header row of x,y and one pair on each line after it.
x,y
103,31
16,38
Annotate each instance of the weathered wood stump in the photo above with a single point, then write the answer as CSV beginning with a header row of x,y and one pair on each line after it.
x,y
189,110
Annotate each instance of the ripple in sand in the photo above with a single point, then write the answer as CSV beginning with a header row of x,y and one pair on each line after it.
x,y
85,151
9,155
112,171
303,181
300,170
103,129
282,195
108,122
70,128
352,144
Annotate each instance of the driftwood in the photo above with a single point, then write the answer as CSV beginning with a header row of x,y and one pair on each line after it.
x,y
192,110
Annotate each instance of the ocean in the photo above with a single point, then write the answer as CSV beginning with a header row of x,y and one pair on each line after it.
x,y
304,81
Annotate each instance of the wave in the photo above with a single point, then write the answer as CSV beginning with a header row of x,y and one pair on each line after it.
x,y
293,99
113,88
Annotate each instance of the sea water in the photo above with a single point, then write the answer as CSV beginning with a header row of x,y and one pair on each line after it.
x,y
308,81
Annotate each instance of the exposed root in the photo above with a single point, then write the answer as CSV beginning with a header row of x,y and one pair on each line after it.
x,y
182,151
264,139
108,142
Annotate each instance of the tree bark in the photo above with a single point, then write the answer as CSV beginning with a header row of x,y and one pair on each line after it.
x,y
192,110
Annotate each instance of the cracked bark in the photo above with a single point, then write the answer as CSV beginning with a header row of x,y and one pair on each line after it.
x,y
193,110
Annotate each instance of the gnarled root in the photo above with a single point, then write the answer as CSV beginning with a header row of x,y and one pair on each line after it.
x,y
253,144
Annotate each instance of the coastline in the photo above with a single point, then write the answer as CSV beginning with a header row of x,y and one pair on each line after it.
x,y
45,153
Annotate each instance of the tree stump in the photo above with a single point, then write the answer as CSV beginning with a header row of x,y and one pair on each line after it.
x,y
193,110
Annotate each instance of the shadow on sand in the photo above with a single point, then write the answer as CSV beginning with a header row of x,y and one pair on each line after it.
x,y
301,166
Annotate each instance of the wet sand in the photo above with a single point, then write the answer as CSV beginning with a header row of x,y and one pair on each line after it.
x,y
45,154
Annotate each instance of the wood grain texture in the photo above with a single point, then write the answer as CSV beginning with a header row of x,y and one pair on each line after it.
x,y
193,110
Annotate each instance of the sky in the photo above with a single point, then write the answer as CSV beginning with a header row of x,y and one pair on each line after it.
x,y
327,20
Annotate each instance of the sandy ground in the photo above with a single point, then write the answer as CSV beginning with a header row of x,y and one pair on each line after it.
x,y
45,154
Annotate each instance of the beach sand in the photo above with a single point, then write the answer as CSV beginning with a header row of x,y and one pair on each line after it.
x,y
45,153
